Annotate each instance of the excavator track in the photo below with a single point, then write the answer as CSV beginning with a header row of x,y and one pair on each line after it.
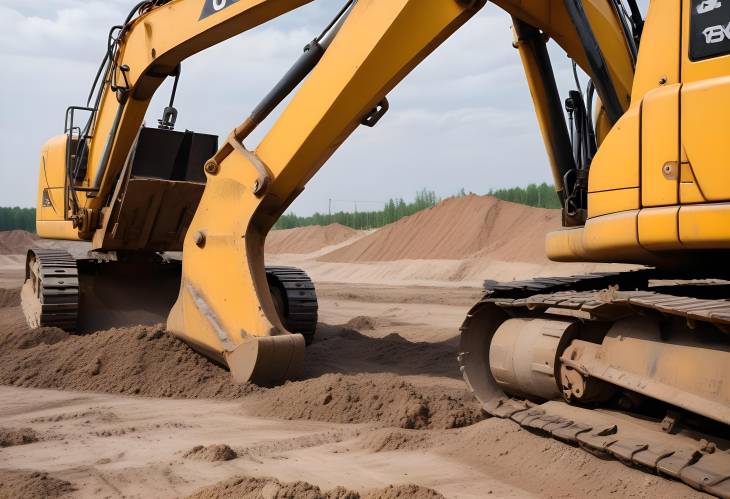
x,y
657,447
295,298
50,295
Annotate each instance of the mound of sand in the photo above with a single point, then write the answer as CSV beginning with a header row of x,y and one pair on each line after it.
x,y
31,485
9,297
139,360
10,437
372,398
16,242
307,239
211,453
256,488
505,450
458,228
147,361
402,491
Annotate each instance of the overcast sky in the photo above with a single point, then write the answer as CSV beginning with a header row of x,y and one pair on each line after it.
x,y
463,118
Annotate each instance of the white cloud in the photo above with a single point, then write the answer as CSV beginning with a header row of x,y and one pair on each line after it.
x,y
462,119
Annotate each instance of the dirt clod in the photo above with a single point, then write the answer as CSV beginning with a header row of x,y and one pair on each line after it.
x,y
31,485
404,491
211,453
137,361
256,488
17,436
378,398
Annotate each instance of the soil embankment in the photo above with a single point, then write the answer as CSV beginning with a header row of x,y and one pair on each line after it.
x,y
456,229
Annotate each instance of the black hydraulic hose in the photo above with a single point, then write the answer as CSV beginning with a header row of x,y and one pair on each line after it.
x,y
301,68
335,20
596,61
178,70
637,18
313,52
591,135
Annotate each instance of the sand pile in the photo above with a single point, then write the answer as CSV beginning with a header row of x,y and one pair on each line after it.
x,y
372,398
211,453
341,349
9,297
147,361
139,360
503,449
256,488
308,239
10,437
455,229
16,242
31,485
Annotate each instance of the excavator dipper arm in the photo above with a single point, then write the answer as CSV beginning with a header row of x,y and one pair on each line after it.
x,y
224,307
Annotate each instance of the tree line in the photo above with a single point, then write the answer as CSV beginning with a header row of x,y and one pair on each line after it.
x,y
538,195
17,218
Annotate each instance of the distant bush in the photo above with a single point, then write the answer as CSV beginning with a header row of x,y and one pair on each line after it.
x,y
542,195
538,195
17,218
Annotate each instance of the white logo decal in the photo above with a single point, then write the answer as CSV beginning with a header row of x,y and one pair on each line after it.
x,y
220,4
708,6
716,34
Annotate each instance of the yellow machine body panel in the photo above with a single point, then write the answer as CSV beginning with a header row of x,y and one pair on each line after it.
x,y
674,136
52,199
51,202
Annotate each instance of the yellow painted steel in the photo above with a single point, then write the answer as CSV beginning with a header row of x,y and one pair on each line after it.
x,y
658,229
660,147
613,201
51,202
705,226
566,245
616,164
609,236
658,61
552,18
375,48
541,103
704,134
57,229
695,71
689,191
153,46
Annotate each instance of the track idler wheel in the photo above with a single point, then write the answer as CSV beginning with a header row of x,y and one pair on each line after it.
x,y
500,355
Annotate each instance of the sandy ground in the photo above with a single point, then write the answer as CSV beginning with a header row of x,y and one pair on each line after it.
x,y
379,412
110,445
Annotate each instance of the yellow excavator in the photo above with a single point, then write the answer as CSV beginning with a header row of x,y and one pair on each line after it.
x,y
633,365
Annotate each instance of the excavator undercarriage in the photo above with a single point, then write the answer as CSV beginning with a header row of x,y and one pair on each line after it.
x,y
648,354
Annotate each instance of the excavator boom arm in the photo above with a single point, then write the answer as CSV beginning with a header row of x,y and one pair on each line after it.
x,y
224,307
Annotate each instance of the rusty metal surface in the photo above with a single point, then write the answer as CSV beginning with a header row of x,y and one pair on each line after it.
x,y
609,435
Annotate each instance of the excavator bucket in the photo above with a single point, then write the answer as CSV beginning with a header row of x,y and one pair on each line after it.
x,y
88,295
